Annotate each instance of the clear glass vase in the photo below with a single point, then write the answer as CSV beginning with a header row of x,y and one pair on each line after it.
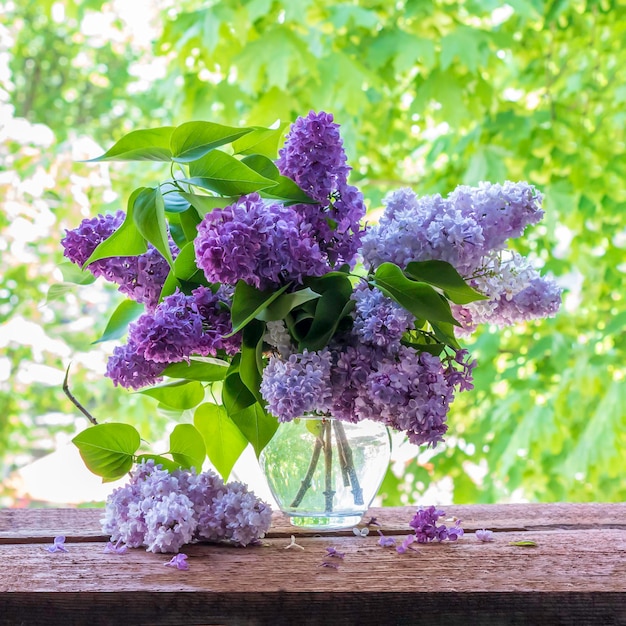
x,y
324,473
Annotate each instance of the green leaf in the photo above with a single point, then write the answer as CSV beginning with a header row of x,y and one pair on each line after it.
x,y
189,221
167,464
124,314
251,363
58,291
256,424
225,175
284,188
141,145
205,369
187,446
333,305
108,449
149,217
264,141
192,140
185,266
235,395
206,204
248,302
443,275
283,305
526,543
445,333
73,274
180,395
223,440
126,240
418,298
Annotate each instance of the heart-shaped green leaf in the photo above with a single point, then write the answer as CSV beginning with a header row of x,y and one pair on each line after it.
x,y
187,446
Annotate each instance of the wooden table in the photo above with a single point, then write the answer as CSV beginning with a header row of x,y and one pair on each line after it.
x,y
576,573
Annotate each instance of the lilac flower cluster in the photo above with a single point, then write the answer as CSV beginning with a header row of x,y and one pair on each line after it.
x,y
405,389
163,511
139,277
178,327
424,523
298,385
262,243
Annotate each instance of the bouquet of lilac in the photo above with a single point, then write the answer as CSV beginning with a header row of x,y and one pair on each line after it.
x,y
258,295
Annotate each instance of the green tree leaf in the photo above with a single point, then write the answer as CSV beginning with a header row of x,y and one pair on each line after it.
x,y
223,440
263,141
141,145
187,446
124,314
251,363
108,449
206,204
192,140
443,275
73,274
185,394
166,464
418,298
286,303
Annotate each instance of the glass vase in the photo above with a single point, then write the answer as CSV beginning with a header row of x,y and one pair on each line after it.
x,y
324,473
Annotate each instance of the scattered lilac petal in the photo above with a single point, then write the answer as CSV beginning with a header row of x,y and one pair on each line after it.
x,y
179,561
372,522
484,535
406,544
334,552
116,548
57,546
386,542
329,564
293,544
361,532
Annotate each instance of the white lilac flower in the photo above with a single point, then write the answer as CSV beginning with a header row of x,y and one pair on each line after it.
x,y
484,535
277,337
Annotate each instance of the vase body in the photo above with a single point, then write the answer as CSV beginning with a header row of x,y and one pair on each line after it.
x,y
324,473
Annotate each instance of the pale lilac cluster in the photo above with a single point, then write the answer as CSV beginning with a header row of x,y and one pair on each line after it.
x,y
262,243
470,229
461,229
139,277
297,385
164,511
516,291
179,327
424,523
378,320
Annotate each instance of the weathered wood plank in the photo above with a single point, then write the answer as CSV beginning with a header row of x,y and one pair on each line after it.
x,y
32,525
562,561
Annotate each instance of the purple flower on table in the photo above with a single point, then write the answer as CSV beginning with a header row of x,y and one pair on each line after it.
x,y
426,529
179,562
386,542
484,535
329,564
407,544
333,552
57,545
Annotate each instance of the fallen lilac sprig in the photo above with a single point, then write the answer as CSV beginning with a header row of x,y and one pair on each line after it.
x,y
335,553
425,525
484,535
179,562
373,521
57,546
406,544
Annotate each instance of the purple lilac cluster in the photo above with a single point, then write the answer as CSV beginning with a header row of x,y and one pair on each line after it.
x,y
163,511
470,229
405,389
262,243
378,320
181,325
424,523
139,277
297,385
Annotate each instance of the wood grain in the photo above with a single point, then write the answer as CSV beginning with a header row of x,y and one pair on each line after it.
x,y
576,574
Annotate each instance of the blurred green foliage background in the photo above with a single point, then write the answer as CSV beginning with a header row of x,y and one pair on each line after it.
x,y
429,95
